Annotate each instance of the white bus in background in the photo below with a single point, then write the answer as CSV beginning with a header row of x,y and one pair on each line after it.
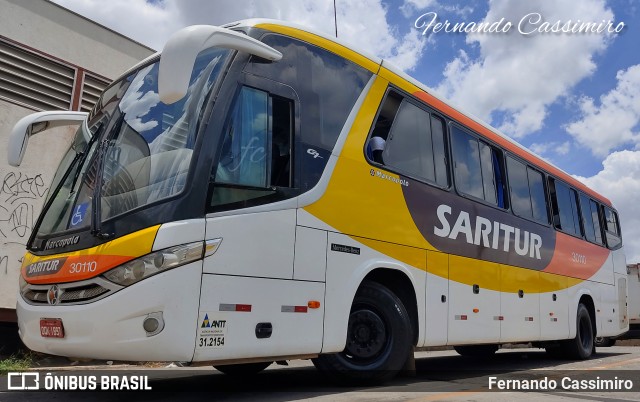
x,y
222,205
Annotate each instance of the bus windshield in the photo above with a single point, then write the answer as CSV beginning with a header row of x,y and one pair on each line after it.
x,y
133,151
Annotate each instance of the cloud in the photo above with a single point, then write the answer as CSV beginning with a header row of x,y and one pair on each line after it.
x,y
519,76
363,23
614,122
557,148
619,180
410,7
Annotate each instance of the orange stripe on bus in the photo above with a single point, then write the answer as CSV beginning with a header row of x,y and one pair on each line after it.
x,y
81,267
576,257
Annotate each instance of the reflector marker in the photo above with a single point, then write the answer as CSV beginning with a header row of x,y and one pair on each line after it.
x,y
313,304
294,309
235,307
476,310
461,317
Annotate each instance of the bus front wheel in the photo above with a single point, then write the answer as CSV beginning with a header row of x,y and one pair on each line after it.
x,y
379,338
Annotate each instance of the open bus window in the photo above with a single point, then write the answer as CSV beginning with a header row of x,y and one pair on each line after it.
x,y
255,155
612,228
409,140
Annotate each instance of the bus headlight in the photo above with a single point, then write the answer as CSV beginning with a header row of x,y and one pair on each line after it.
x,y
23,283
151,264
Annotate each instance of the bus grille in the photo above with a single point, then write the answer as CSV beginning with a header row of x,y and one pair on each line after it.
x,y
70,293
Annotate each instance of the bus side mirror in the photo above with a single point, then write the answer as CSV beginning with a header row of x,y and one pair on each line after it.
x,y
36,123
179,55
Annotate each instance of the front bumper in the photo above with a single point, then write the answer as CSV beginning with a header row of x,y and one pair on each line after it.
x,y
111,328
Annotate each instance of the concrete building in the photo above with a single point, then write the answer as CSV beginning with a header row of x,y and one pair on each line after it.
x,y
50,58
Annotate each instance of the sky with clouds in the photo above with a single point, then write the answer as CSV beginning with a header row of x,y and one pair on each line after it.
x,y
572,98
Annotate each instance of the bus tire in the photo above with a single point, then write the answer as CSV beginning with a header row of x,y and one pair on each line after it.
x,y
476,350
603,342
379,339
243,369
581,347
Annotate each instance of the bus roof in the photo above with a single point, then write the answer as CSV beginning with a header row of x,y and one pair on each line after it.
x,y
376,65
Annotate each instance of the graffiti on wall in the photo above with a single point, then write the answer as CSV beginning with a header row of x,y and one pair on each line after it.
x,y
21,197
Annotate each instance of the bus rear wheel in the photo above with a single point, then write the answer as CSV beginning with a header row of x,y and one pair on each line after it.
x,y
581,347
243,369
476,350
379,338
603,342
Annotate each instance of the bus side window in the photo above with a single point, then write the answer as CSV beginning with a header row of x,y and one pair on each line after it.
x,y
565,208
409,147
527,191
612,228
589,220
595,216
409,140
255,155
477,168
439,151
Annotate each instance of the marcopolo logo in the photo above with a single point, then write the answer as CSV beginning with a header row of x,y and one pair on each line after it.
x,y
69,241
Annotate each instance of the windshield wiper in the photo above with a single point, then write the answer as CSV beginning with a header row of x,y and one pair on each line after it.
x,y
83,155
96,204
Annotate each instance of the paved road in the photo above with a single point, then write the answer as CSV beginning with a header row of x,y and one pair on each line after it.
x,y
439,376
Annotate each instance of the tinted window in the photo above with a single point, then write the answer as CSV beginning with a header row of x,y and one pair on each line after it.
x,y
488,176
538,197
587,218
595,216
519,186
408,147
407,139
466,163
477,168
612,228
527,191
256,150
566,209
439,152
327,85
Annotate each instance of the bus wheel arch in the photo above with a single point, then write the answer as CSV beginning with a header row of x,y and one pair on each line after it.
x,y
378,338
587,301
400,284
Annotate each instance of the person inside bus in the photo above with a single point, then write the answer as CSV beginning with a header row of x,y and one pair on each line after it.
x,y
378,140
375,148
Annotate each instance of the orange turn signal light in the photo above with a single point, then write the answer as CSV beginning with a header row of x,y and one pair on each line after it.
x,y
313,304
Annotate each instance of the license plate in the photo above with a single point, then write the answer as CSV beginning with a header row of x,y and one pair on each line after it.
x,y
51,328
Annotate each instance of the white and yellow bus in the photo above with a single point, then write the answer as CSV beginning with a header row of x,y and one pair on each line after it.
x,y
260,192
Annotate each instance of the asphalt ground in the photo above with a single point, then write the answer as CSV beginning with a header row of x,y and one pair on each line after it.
x,y
439,375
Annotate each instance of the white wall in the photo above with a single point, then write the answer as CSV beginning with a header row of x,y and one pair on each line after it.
x,y
54,30
22,194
